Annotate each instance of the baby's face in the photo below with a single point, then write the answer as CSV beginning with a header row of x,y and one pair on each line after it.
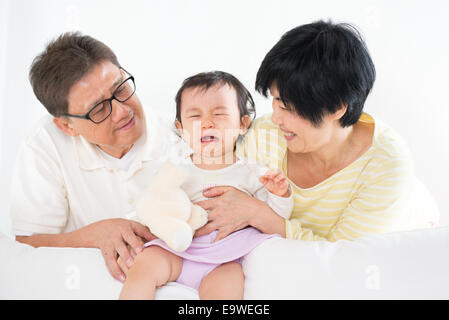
x,y
210,120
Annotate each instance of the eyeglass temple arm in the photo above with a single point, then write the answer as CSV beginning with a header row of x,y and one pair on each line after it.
x,y
75,116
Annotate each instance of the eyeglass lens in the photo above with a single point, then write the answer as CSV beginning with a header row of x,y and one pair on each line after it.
x,y
104,109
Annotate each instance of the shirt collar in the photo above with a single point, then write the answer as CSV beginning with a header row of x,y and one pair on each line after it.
x,y
89,158
155,144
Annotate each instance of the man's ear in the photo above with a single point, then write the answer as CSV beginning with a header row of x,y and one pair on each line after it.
x,y
245,122
65,126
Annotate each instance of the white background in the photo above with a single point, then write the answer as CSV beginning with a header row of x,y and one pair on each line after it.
x,y
163,42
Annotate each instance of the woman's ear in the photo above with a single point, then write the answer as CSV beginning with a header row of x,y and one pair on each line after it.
x,y
340,112
65,126
245,123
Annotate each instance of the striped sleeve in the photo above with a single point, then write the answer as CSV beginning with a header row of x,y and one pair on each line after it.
x,y
376,207
262,144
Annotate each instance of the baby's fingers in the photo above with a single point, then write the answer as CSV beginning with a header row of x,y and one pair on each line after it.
x,y
271,174
279,179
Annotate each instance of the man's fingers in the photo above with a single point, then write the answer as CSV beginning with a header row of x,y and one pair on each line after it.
x,y
123,252
142,231
132,240
122,266
112,265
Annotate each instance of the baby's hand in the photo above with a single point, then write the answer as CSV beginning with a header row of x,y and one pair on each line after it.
x,y
276,183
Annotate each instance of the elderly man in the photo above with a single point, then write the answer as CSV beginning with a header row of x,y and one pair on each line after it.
x,y
80,171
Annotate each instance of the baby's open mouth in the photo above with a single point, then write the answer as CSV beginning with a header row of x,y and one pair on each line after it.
x,y
206,139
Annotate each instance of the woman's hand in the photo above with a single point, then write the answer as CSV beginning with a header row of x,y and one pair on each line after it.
x,y
229,211
119,241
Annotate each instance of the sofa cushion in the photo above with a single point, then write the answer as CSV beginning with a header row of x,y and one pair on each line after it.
x,y
64,273
401,265
405,265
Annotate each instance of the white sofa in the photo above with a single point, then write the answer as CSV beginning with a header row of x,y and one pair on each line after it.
x,y
409,265
403,265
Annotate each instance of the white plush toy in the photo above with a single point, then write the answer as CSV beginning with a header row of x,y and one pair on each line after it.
x,y
167,210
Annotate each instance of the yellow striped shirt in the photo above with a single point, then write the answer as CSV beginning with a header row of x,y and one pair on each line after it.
x,y
368,196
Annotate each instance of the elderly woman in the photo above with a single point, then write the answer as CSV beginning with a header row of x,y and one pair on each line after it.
x,y
350,173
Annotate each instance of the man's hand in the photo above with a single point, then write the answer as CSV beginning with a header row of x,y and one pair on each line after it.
x,y
120,239
116,238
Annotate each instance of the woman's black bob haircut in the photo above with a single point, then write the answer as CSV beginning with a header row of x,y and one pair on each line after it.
x,y
318,68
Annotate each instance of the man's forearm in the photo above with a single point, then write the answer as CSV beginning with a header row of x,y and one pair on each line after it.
x,y
76,239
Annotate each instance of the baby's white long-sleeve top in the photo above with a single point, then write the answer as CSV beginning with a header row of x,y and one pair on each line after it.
x,y
241,175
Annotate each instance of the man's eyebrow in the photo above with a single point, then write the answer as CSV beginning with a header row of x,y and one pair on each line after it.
x,y
112,88
117,82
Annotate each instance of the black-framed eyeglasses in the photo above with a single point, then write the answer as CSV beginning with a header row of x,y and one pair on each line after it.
x,y
102,110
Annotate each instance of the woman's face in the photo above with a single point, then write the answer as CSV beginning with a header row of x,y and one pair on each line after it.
x,y
300,134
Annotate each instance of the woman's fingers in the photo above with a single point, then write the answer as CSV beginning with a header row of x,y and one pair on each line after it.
x,y
227,212
207,228
207,204
202,231
217,221
223,233
215,191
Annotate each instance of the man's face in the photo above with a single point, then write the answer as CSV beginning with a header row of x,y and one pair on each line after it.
x,y
122,128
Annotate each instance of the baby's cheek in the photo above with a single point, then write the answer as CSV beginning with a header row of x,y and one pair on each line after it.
x,y
229,141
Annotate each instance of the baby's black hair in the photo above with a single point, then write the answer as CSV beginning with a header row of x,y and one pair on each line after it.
x,y
208,79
